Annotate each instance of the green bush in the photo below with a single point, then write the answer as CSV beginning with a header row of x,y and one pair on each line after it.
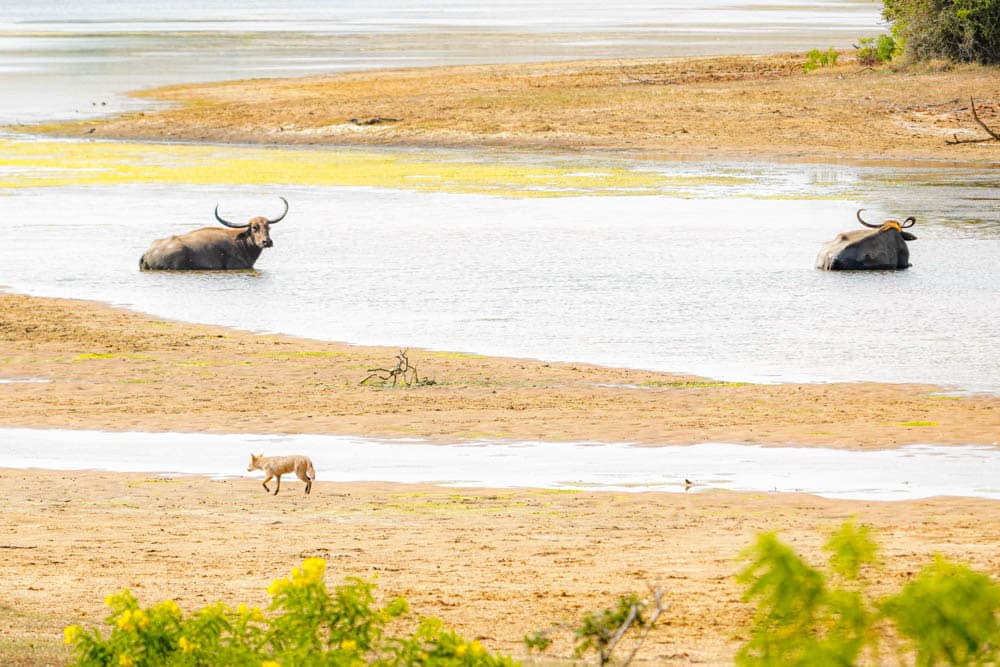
x,y
309,626
602,632
948,615
872,50
817,58
955,30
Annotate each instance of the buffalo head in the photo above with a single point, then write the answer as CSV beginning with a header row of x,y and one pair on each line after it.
x,y
259,228
879,247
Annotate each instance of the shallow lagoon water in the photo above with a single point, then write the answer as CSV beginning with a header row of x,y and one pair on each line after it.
x,y
72,60
901,474
710,272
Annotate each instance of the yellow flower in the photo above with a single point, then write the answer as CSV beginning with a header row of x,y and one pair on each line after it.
x,y
277,587
460,650
125,661
109,600
313,568
349,645
185,645
476,649
270,663
124,621
140,618
71,633
171,608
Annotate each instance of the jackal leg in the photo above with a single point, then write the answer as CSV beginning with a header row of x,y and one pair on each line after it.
x,y
266,480
277,486
304,476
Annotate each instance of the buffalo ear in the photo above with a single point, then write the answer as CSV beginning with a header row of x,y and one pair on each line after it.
x,y
908,236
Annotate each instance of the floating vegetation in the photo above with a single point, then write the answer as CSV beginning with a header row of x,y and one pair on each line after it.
x,y
40,163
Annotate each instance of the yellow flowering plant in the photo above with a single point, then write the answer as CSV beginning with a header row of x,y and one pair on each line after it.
x,y
306,624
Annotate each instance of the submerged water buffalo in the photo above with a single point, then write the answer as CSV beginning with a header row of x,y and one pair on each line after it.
x,y
212,248
880,247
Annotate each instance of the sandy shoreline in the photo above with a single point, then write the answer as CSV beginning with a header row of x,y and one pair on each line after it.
x,y
114,369
757,107
494,564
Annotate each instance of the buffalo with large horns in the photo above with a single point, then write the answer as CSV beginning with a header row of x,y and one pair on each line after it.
x,y
212,248
880,247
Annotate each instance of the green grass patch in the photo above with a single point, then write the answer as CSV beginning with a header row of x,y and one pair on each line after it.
x,y
306,354
690,384
90,356
919,423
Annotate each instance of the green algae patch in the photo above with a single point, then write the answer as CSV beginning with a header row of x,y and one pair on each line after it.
x,y
60,163
457,355
109,355
690,384
305,354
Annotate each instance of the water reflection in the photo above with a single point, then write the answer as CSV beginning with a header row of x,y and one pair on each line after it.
x,y
910,472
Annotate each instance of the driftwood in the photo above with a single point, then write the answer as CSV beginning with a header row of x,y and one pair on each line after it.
x,y
404,372
377,120
975,116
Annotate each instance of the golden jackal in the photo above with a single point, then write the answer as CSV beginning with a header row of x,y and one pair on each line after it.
x,y
276,466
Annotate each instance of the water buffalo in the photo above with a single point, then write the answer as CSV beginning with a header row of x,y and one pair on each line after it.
x,y
881,247
212,248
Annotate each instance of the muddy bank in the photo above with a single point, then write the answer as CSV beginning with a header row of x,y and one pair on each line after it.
x,y
106,368
727,106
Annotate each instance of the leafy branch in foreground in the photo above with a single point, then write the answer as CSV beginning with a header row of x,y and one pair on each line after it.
x,y
948,614
310,625
603,631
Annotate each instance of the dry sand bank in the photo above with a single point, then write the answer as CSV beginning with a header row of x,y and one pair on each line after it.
x,y
493,564
743,106
114,369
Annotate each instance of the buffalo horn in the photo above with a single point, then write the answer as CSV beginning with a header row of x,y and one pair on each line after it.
x,y
866,224
278,219
909,222
226,222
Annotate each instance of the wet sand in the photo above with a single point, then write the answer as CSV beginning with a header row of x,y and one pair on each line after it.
x,y
117,370
493,564
760,107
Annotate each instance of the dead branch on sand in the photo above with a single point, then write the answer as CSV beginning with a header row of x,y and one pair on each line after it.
x,y
404,372
993,135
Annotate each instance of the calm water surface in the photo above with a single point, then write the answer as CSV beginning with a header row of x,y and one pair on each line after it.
x,y
901,474
719,282
61,59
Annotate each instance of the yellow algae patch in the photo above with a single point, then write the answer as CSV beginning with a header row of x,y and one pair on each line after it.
x,y
60,163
